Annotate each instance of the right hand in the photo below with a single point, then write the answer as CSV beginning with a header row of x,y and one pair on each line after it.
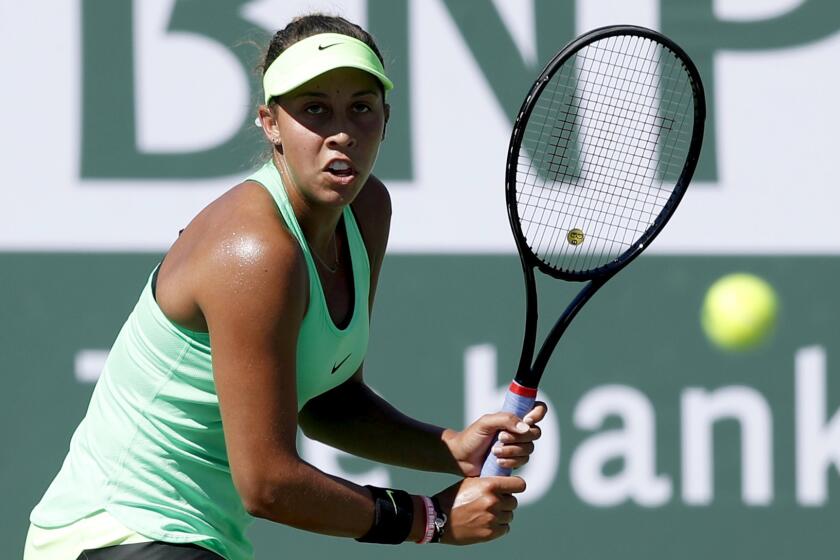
x,y
479,509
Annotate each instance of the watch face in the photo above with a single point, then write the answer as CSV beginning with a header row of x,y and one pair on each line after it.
x,y
440,523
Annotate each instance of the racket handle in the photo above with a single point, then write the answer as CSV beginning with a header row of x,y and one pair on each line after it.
x,y
519,400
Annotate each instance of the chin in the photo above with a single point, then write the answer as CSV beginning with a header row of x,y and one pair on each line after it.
x,y
342,192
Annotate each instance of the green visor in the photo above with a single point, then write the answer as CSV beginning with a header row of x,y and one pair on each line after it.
x,y
316,55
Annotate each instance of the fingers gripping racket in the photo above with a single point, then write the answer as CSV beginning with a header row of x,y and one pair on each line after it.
x,y
600,156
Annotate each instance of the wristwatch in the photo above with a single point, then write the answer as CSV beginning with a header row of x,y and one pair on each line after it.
x,y
440,521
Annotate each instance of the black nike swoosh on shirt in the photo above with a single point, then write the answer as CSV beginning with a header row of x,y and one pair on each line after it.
x,y
322,47
341,363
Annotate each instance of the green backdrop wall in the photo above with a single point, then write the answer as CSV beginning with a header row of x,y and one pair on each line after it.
x,y
638,341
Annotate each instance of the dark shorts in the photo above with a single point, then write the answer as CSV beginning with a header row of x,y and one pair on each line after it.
x,y
150,551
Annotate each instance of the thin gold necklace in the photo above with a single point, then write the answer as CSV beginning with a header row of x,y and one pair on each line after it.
x,y
331,269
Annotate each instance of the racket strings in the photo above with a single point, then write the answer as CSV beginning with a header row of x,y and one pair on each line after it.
x,y
591,79
603,174
578,103
601,152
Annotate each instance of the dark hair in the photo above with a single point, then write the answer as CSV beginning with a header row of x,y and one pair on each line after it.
x,y
314,24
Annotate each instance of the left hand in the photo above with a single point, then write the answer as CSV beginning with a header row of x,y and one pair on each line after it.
x,y
516,440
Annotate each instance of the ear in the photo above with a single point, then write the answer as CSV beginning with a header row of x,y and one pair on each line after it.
x,y
267,121
387,117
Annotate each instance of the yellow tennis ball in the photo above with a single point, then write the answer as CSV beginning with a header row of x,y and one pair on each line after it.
x,y
739,311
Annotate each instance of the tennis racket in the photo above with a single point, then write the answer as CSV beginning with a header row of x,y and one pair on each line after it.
x,y
601,153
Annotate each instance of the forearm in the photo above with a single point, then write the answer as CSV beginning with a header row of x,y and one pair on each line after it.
x,y
301,496
355,419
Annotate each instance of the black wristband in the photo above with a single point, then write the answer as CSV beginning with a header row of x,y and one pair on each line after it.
x,y
393,515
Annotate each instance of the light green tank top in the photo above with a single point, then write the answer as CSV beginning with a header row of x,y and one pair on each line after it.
x,y
150,450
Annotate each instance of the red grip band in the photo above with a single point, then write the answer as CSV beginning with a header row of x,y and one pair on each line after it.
x,y
522,391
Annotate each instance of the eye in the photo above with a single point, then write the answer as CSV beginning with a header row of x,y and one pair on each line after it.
x,y
315,109
361,108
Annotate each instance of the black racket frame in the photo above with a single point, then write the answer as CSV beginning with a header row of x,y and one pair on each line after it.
x,y
529,375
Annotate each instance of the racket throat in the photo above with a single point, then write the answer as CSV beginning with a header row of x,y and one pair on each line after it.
x,y
562,324
524,374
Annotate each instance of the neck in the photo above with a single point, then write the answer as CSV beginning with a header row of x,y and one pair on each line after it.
x,y
318,223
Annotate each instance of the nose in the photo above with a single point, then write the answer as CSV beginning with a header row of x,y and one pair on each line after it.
x,y
342,135
341,139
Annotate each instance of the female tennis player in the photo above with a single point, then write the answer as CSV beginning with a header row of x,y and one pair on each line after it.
x,y
273,280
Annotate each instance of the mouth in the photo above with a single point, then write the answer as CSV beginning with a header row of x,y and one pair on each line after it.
x,y
341,169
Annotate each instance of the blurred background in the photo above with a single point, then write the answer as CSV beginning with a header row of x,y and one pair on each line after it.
x,y
121,120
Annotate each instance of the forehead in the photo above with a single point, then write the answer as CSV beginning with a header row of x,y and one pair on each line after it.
x,y
342,81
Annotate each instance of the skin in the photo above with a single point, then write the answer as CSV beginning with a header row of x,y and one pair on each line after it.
x,y
237,272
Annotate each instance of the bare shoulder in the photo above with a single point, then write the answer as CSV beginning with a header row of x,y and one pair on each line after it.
x,y
372,209
249,256
236,254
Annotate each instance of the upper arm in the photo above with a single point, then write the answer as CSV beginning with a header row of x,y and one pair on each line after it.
x,y
372,209
253,296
